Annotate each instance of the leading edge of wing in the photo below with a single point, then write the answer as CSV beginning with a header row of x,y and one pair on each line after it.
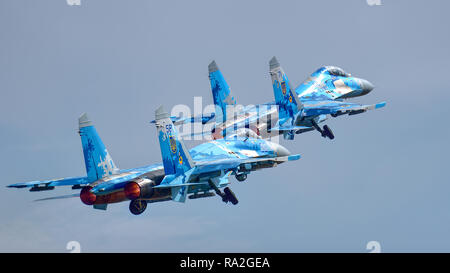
x,y
226,165
68,181
333,107
289,128
232,164
274,159
83,180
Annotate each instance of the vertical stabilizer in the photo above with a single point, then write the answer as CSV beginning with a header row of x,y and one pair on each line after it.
x,y
175,156
98,161
285,96
221,92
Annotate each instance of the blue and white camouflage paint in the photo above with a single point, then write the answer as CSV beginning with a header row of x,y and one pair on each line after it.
x,y
96,157
299,110
174,156
198,172
221,92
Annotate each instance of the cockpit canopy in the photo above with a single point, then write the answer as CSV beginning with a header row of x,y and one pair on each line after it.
x,y
332,70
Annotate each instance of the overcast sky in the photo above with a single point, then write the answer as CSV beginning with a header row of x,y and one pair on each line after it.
x,y
383,178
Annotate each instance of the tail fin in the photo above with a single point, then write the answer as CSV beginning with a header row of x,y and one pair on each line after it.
x,y
97,159
220,90
285,95
176,157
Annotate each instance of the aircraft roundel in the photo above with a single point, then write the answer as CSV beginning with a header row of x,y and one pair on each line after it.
x,y
283,87
290,98
173,144
180,160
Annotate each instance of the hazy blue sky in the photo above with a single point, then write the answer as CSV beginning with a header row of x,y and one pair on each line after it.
x,y
382,178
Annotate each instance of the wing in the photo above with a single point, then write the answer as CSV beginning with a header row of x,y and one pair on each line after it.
x,y
337,108
193,119
116,182
204,168
112,182
289,128
233,164
51,184
144,169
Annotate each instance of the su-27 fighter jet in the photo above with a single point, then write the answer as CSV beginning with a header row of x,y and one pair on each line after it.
x,y
300,110
200,172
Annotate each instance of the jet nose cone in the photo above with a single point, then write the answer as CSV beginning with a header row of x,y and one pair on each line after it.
x,y
280,150
366,86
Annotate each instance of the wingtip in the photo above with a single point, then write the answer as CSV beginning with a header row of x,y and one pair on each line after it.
x,y
212,67
273,63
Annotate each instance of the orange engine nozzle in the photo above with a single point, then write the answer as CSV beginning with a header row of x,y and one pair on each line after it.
x,y
132,190
87,197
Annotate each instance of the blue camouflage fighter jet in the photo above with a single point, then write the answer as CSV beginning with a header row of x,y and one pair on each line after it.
x,y
200,172
294,111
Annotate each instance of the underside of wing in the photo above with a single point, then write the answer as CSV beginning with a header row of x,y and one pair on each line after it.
x,y
278,159
194,119
111,182
225,164
144,169
76,182
337,108
289,128
238,163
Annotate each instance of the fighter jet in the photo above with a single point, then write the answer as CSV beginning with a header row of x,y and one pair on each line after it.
x,y
294,111
200,172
